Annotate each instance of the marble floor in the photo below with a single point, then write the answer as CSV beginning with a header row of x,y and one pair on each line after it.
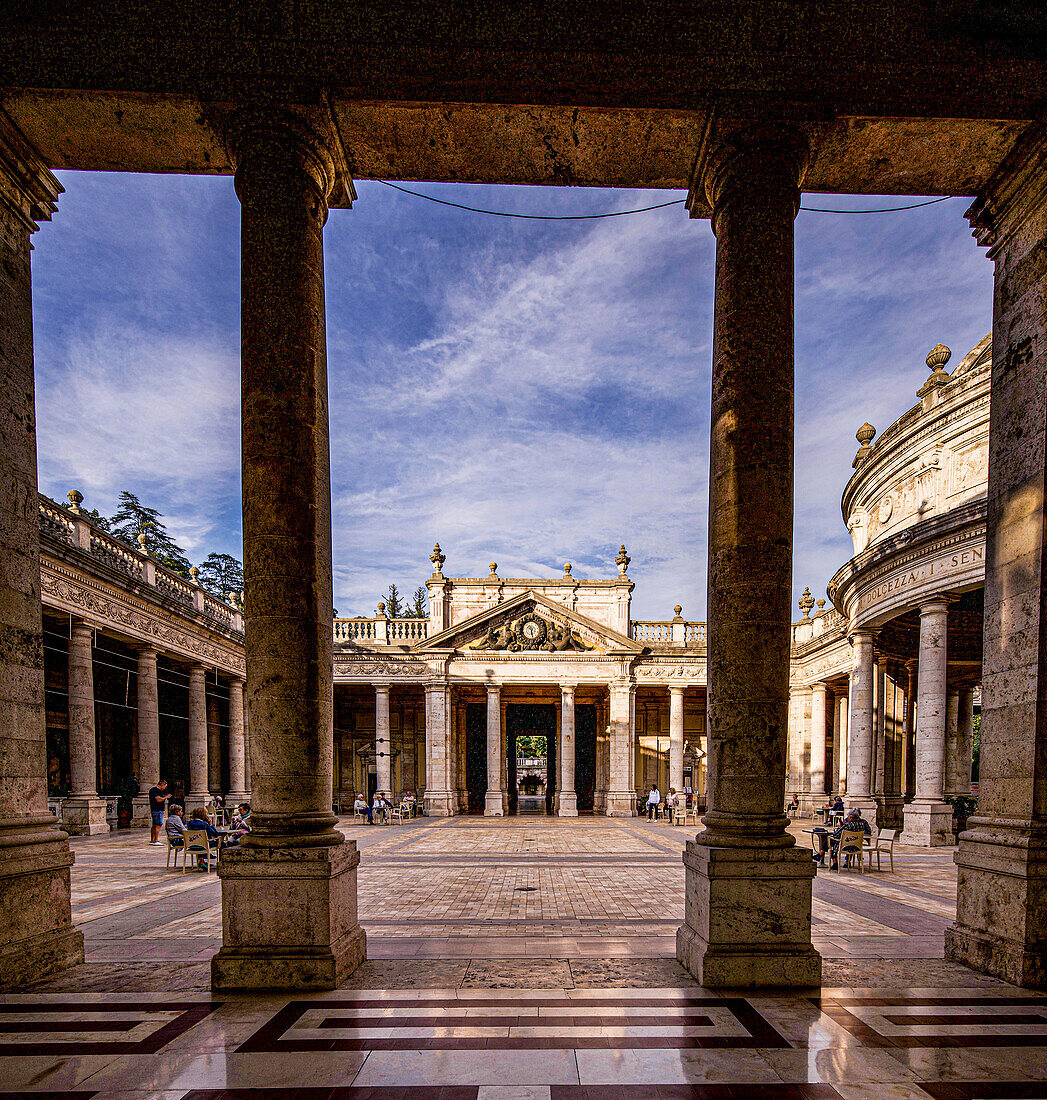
x,y
527,959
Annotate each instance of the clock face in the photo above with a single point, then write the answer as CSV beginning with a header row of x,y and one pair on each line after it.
x,y
531,630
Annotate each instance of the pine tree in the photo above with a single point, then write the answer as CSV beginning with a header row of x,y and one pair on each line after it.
x,y
394,609
133,518
222,575
419,609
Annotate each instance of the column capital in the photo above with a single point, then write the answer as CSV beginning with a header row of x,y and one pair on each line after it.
x,y
938,606
568,689
384,688
148,651
676,689
820,686
493,690
277,140
866,637
28,190
745,158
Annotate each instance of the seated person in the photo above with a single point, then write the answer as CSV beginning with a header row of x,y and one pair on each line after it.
x,y
851,822
360,807
241,825
175,826
794,805
837,806
408,800
378,807
198,820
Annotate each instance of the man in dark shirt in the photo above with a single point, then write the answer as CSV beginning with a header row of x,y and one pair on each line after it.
x,y
157,805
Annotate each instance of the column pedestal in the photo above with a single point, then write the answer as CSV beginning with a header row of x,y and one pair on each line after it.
x,y
747,917
141,817
310,940
84,815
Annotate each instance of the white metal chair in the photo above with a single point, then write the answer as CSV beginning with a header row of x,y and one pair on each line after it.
x,y
884,843
198,843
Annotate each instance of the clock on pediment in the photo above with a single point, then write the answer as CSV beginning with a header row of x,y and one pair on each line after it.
x,y
530,631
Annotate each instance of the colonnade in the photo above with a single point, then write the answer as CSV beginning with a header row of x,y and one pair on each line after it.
x,y
83,812
289,890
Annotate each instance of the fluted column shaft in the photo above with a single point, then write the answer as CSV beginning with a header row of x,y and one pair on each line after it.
x,y
237,747
676,738
843,706
952,732
860,728
819,713
382,741
197,733
83,757
568,804
964,742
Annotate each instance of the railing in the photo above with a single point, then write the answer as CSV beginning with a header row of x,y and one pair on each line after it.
x,y
668,633
381,630
72,527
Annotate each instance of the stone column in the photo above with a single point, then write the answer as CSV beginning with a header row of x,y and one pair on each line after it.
x,y
148,734
909,744
83,813
676,739
440,797
928,820
1001,911
237,755
964,742
460,738
568,804
495,802
952,747
197,794
621,794
383,747
748,887
860,729
841,740
214,747
289,890
819,714
36,934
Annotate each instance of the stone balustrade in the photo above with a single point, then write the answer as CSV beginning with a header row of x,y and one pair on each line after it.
x,y
668,633
380,630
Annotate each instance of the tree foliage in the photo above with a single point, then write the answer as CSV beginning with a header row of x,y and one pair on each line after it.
x,y
529,745
223,576
396,607
133,518
393,604
420,604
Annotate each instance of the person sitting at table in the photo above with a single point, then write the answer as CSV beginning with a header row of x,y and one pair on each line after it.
x,y
793,806
409,800
175,827
198,819
241,825
360,807
837,806
851,822
378,807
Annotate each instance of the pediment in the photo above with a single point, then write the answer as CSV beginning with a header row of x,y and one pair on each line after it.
x,y
530,624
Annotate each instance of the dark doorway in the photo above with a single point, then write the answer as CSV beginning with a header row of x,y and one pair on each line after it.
x,y
475,757
585,756
535,720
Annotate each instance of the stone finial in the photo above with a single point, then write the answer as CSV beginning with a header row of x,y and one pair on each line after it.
x,y
937,357
76,498
567,567
622,561
806,602
821,607
194,573
381,609
678,612
493,566
143,542
437,557
864,435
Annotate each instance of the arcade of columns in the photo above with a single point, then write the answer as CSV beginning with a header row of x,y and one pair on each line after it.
x,y
289,892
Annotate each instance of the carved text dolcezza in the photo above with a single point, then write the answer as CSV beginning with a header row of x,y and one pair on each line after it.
x,y
960,560
100,607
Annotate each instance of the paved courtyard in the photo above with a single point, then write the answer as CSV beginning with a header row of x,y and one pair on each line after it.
x,y
526,959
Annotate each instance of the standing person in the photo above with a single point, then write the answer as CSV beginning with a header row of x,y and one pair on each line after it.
x,y
654,798
157,805
672,800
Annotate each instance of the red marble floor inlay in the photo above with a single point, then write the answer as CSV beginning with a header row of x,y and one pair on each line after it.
x,y
278,1034
57,1022
939,1015
986,1090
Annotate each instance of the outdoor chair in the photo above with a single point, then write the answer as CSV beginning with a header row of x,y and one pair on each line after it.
x,y
396,814
852,843
884,843
172,846
197,843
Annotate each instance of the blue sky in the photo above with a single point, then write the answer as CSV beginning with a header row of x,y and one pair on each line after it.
x,y
525,392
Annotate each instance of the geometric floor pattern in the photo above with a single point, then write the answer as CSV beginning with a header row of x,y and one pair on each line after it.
x,y
520,960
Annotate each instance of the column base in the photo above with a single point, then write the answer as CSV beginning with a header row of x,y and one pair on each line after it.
x,y
1001,881
84,816
927,824
748,917
37,937
495,804
289,918
567,804
867,804
194,802
620,804
234,798
439,803
141,816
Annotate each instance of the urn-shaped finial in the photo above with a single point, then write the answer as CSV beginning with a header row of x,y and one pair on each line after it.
x,y
678,610
865,434
493,566
194,573
937,357
806,602
76,498
143,542
567,567
381,609
622,561
437,557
